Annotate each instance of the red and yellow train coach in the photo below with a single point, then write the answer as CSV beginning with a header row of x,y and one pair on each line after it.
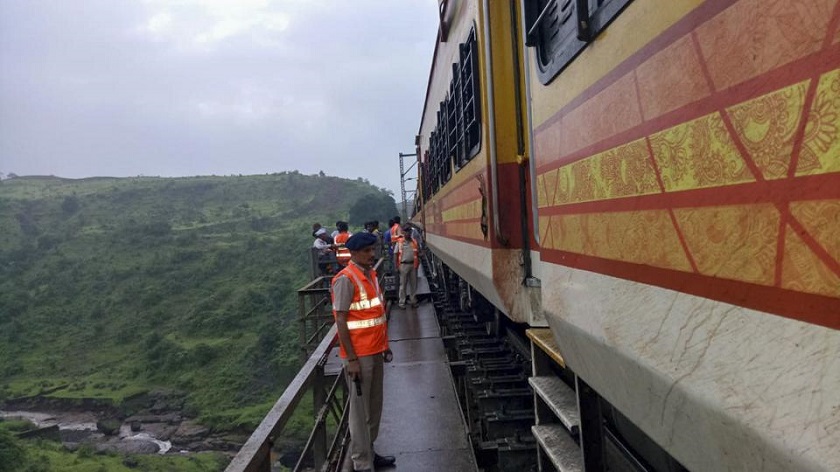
x,y
473,149
659,182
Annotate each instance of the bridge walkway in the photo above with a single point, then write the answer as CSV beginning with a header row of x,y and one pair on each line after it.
x,y
422,425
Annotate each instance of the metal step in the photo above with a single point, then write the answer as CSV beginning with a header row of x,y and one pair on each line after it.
x,y
560,398
560,448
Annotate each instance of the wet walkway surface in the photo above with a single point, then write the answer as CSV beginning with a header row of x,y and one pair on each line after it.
x,y
422,425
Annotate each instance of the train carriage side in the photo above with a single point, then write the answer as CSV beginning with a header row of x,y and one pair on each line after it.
x,y
687,161
471,155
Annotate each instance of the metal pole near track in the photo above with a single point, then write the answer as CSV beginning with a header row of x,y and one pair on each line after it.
x,y
403,180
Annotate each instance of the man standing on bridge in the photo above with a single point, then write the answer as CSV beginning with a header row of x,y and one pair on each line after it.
x,y
407,256
359,311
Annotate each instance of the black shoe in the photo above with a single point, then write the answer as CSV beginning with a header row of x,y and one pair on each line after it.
x,y
363,470
383,461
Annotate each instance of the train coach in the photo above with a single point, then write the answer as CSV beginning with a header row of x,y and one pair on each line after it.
x,y
658,182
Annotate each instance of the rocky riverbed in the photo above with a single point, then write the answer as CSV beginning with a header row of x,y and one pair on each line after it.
x,y
158,427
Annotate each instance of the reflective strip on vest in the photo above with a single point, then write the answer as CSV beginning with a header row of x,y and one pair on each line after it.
x,y
363,294
361,324
342,254
366,304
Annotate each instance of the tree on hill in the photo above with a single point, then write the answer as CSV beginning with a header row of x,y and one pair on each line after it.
x,y
70,204
373,206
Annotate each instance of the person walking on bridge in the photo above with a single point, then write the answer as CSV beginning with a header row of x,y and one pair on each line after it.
x,y
359,311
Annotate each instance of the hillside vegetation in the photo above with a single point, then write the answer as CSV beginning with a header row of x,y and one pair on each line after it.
x,y
114,287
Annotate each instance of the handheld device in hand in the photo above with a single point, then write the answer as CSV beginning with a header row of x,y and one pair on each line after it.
x,y
358,383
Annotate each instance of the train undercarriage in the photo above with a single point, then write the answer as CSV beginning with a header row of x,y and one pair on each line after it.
x,y
525,409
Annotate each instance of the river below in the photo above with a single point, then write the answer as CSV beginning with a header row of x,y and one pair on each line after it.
x,y
81,427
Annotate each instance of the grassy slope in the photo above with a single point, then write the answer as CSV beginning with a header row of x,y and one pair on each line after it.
x,y
109,287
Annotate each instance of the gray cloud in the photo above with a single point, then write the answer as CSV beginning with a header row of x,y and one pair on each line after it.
x,y
188,87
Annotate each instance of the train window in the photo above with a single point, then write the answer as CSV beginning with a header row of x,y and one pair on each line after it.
x,y
561,29
433,165
425,176
446,130
457,135
440,148
469,96
455,119
441,159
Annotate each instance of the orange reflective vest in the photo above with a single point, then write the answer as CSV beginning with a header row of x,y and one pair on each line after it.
x,y
414,248
396,233
366,316
342,254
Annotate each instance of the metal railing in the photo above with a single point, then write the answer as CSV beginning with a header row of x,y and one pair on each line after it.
x,y
255,455
322,264
315,314
321,452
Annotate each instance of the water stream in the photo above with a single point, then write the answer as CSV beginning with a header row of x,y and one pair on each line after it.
x,y
82,422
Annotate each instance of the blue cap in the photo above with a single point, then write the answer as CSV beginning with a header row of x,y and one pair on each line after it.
x,y
360,241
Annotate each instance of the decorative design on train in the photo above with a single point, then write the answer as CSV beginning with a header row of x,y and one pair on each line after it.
x,y
733,171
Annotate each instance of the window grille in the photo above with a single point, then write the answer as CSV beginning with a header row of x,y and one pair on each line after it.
x,y
446,137
433,165
442,149
470,97
457,135
455,119
425,178
561,29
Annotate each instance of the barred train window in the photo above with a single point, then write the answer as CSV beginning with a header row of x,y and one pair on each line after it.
x,y
456,138
561,29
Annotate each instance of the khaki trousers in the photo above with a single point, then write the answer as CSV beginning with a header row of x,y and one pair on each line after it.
x,y
365,411
408,283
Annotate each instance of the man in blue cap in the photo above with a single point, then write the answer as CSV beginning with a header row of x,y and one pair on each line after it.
x,y
359,310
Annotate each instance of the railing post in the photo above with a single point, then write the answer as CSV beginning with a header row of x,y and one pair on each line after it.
x,y
304,351
319,397
266,465
314,317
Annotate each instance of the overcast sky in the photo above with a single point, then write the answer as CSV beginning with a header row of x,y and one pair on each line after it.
x,y
199,87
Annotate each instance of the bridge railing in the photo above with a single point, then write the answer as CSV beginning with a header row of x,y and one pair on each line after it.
x,y
255,455
329,393
314,314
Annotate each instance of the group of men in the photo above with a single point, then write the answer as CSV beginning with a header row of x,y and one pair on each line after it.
x,y
331,245
361,323
402,241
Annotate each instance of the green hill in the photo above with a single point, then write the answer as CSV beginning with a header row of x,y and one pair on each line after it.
x,y
113,287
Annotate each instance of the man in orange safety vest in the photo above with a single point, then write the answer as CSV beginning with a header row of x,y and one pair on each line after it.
x,y
359,310
396,231
342,254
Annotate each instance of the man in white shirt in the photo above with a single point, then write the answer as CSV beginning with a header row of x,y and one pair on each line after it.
x,y
324,251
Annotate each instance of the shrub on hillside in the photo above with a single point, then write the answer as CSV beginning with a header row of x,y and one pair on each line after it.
x,y
12,454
